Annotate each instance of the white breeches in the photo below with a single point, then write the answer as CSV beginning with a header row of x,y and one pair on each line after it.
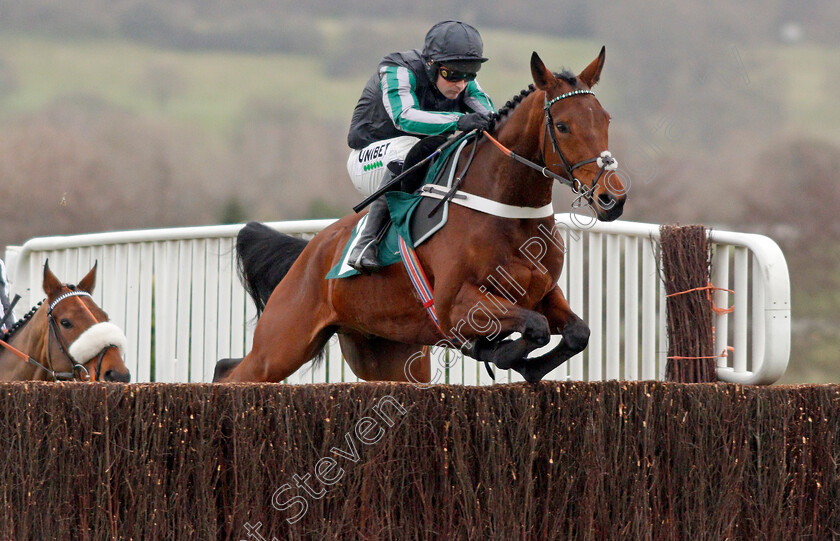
x,y
367,166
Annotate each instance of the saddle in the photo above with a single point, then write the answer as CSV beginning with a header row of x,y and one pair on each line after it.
x,y
431,209
414,216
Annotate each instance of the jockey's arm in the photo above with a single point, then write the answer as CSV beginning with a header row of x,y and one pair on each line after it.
x,y
476,99
401,103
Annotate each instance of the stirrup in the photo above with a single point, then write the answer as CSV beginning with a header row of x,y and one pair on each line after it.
x,y
368,261
365,255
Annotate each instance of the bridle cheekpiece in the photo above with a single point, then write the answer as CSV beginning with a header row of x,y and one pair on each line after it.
x,y
605,161
79,371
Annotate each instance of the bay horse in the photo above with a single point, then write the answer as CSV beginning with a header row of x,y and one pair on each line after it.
x,y
554,130
64,337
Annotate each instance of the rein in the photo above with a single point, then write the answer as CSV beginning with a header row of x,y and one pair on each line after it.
x,y
546,172
457,183
57,376
474,202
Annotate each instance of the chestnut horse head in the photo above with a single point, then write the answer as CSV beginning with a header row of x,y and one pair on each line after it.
x,y
561,126
65,337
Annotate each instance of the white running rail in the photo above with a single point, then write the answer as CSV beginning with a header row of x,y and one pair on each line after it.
x,y
182,284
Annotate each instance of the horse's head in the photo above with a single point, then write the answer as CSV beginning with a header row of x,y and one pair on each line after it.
x,y
575,140
81,340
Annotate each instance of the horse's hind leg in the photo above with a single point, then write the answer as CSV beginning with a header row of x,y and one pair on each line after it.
x,y
561,321
285,339
378,359
273,358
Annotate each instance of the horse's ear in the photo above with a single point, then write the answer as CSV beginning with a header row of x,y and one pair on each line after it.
x,y
543,78
89,281
592,73
51,285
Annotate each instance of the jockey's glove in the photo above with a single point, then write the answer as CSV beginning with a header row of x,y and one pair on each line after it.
x,y
474,121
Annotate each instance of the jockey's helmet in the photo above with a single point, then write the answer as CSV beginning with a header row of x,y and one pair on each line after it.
x,y
455,44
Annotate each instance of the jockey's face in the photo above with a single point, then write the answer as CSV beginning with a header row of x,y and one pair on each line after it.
x,y
450,89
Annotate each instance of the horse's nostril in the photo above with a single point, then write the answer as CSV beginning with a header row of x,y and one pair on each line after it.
x,y
606,201
113,375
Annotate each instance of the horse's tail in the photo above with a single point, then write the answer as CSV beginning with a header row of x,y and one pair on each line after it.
x,y
263,257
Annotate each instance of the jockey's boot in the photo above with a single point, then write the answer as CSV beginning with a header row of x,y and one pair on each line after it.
x,y
365,254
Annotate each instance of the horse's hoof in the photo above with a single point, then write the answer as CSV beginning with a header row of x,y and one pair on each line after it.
x,y
537,330
526,370
224,367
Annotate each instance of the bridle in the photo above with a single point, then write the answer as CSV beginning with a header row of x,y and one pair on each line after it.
x,y
605,161
79,371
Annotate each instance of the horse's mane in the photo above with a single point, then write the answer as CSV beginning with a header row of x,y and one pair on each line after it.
x,y
22,321
26,317
564,75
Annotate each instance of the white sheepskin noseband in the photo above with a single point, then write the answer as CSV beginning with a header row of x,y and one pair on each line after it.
x,y
95,339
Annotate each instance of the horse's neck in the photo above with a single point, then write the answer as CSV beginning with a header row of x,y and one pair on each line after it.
x,y
505,180
31,340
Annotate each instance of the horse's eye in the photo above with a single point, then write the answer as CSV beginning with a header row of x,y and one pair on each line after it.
x,y
562,127
66,323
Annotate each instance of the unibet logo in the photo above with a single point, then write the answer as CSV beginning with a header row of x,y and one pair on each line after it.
x,y
372,166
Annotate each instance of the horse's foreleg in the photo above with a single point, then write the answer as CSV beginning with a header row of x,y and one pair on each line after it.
x,y
561,321
474,316
502,353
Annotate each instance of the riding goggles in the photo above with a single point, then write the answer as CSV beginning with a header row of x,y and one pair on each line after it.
x,y
453,76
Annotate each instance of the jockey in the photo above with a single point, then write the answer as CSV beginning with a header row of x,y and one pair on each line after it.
x,y
4,297
413,95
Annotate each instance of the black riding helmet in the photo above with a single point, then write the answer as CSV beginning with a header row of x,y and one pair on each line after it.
x,y
456,44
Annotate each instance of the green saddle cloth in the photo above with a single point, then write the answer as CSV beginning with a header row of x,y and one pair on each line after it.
x,y
401,206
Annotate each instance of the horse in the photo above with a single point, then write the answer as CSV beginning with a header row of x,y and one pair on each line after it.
x,y
556,129
64,337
